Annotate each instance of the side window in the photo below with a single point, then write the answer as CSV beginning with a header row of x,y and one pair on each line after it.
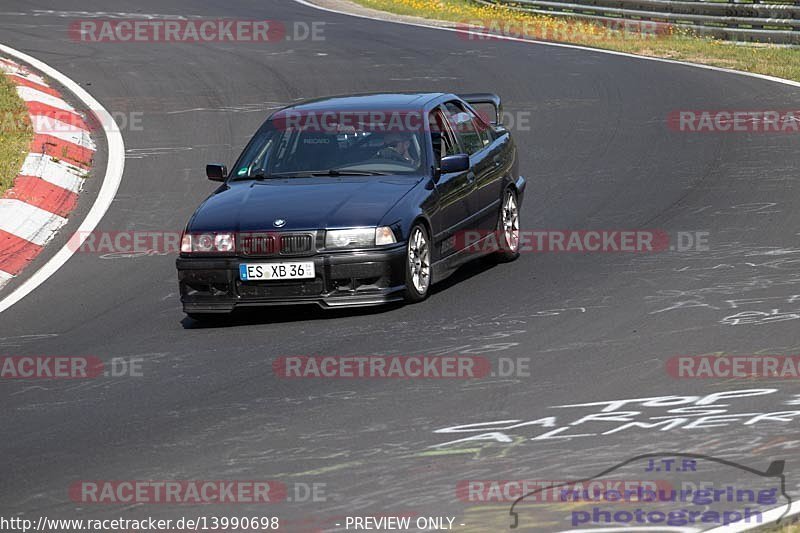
x,y
449,144
463,124
484,130
444,143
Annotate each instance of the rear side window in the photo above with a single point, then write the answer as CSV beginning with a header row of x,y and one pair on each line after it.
x,y
462,123
483,130
444,143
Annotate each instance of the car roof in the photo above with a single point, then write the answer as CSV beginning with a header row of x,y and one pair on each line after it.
x,y
368,101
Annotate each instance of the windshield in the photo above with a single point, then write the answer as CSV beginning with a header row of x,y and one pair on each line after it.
x,y
298,152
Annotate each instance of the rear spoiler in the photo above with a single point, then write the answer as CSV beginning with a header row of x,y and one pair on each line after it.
x,y
474,99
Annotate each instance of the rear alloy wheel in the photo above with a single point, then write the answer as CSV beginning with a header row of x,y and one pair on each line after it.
x,y
508,227
418,264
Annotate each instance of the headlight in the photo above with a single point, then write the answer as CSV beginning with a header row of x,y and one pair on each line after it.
x,y
224,242
206,243
384,235
359,237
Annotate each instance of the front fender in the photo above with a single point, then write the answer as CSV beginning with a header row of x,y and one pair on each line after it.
x,y
417,204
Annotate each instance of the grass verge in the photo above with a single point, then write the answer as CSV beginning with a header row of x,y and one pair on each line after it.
x,y
645,39
15,133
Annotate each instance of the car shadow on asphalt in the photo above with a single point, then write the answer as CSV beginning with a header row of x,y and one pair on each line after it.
x,y
251,316
465,272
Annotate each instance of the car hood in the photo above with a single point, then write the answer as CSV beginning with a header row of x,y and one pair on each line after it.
x,y
303,203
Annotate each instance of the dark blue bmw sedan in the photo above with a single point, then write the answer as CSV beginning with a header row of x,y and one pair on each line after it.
x,y
354,201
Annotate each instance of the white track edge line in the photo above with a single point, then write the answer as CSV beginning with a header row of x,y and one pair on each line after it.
x,y
790,510
111,181
769,517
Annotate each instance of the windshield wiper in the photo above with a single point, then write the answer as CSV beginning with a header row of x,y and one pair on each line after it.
x,y
334,172
260,175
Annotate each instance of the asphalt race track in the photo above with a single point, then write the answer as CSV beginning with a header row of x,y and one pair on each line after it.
x,y
597,327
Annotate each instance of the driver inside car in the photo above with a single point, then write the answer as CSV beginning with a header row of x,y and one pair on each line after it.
x,y
396,146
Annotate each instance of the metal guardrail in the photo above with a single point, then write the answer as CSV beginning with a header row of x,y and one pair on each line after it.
x,y
735,21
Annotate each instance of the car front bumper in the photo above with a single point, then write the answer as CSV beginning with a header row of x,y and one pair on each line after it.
x,y
343,279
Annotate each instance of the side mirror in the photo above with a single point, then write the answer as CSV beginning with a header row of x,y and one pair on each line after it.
x,y
216,172
455,163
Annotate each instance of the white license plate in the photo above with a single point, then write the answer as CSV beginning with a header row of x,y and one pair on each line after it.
x,y
270,271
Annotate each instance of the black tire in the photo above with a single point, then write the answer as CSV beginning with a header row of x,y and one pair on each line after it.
x,y
508,250
418,256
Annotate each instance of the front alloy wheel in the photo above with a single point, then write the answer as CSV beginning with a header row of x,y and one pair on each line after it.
x,y
418,264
